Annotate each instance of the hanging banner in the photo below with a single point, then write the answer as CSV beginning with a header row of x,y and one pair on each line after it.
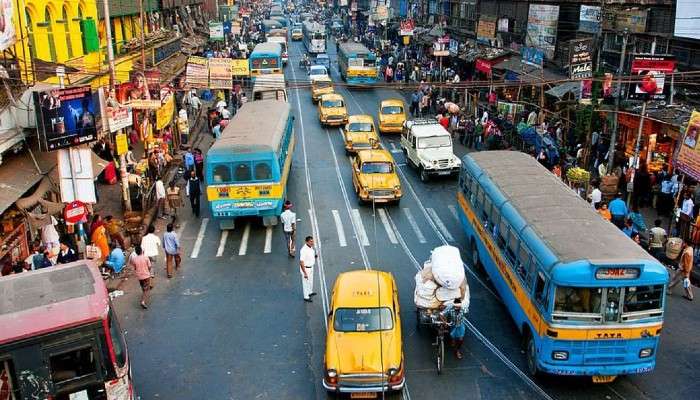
x,y
650,72
240,68
532,56
406,27
117,117
486,28
542,23
216,31
7,28
220,73
589,19
164,114
66,117
122,143
688,160
581,59
197,72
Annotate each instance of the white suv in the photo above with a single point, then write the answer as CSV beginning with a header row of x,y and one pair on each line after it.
x,y
428,147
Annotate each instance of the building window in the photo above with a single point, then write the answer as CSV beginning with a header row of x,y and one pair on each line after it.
x,y
30,34
49,34
67,24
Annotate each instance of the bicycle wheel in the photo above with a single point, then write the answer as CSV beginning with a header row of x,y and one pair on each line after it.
x,y
439,354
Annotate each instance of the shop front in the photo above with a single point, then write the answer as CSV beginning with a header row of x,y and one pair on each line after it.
x,y
658,140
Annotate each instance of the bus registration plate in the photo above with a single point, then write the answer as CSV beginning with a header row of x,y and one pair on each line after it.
x,y
604,378
363,395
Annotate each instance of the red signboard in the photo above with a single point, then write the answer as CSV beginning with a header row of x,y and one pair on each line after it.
x,y
483,66
74,212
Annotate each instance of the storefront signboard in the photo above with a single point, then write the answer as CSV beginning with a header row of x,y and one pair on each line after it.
x,y
532,56
66,117
689,154
216,31
197,73
240,68
581,58
220,73
164,115
650,73
542,24
589,19
635,21
486,28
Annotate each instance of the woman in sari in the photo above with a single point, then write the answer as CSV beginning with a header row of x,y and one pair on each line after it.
x,y
99,239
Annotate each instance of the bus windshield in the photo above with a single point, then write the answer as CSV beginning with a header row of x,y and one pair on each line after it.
x,y
319,35
264,62
363,319
241,172
613,304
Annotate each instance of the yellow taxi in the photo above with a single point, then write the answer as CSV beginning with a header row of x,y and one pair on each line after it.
x,y
297,34
374,177
364,353
332,110
320,85
392,115
360,134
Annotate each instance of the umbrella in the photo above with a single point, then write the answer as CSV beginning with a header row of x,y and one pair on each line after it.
x,y
452,107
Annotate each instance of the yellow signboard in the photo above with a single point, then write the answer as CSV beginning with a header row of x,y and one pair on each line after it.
x,y
689,154
246,192
240,68
165,113
122,144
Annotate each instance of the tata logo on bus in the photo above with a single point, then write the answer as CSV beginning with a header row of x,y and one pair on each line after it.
x,y
222,191
617,273
608,335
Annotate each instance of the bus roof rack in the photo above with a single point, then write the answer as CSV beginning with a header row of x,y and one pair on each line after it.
x,y
422,121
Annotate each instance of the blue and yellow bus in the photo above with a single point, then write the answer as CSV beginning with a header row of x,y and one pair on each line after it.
x,y
357,64
587,299
247,168
266,58
314,37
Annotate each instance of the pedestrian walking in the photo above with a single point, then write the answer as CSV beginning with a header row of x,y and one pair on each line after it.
x,y
143,270
160,197
685,217
150,244
171,245
682,274
194,191
456,314
188,159
307,260
174,200
618,211
289,225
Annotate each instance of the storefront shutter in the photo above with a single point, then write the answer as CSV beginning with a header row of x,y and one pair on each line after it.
x,y
91,41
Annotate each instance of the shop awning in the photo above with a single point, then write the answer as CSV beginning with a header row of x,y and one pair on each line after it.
x,y
525,72
563,89
18,174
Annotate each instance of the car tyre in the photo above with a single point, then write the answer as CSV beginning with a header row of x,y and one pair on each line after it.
x,y
424,177
531,355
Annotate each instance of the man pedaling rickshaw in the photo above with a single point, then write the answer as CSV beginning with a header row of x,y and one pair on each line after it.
x,y
456,316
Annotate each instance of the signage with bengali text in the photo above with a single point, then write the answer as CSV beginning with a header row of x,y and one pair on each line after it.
x,y
581,59
542,24
197,72
240,68
220,73
486,28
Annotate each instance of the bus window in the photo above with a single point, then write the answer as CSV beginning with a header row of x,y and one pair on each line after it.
x,y
643,298
523,262
540,290
486,212
242,172
263,172
72,365
577,300
9,389
221,173
502,237
613,297
512,249
118,343
479,199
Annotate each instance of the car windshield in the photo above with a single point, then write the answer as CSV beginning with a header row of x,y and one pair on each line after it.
x,y
391,110
434,141
318,71
333,103
360,127
363,319
377,167
613,304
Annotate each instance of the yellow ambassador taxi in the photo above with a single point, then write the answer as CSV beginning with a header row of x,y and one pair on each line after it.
x,y
364,353
374,177
332,110
297,34
360,134
392,115
321,85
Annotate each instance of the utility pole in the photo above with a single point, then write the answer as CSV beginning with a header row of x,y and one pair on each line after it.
x,y
123,174
613,137
143,28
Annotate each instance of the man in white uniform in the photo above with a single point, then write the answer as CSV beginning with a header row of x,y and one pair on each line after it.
x,y
307,260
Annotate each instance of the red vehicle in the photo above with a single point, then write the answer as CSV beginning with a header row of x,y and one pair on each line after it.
x,y
59,337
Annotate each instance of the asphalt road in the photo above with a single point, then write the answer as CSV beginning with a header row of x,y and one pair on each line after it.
x,y
232,324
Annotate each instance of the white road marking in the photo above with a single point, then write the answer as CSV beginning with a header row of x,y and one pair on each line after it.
x,y
453,211
339,228
414,225
394,149
403,243
222,243
440,225
200,237
360,227
389,230
244,240
268,240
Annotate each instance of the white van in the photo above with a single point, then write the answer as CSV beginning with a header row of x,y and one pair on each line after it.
x,y
269,86
428,148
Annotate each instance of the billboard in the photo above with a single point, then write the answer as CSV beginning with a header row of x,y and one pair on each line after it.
x,y
634,20
688,160
197,72
649,71
581,58
216,31
589,19
116,116
240,67
7,29
532,56
66,117
542,23
687,19
220,73
486,28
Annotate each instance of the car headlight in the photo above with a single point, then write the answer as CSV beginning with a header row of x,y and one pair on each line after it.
x,y
392,371
646,352
397,188
331,373
560,355
434,162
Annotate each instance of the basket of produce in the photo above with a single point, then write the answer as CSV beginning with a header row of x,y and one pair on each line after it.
x,y
578,175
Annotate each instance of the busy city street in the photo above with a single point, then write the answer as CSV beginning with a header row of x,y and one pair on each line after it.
x,y
311,199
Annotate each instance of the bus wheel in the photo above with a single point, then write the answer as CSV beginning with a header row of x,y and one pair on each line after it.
x,y
531,354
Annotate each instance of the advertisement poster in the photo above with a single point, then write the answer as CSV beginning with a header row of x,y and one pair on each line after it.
x,y
687,19
142,92
503,24
635,21
7,29
220,73
117,116
66,117
165,113
216,31
486,28
197,72
240,68
581,59
532,56
542,23
589,19
689,155
454,47
650,71
406,27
